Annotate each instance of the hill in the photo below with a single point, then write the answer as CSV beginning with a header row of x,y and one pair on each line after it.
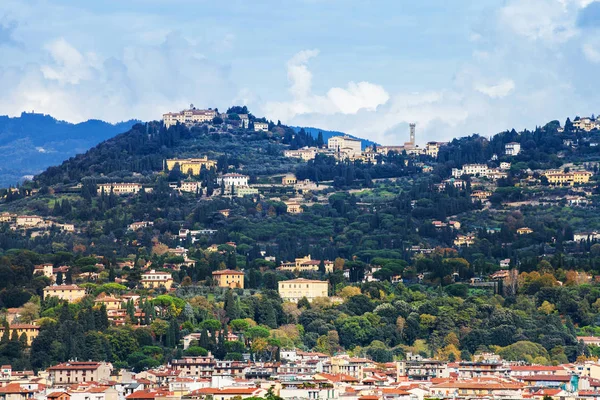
x,y
33,142
314,132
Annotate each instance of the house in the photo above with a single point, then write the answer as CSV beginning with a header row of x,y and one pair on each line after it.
x,y
464,240
524,231
229,278
70,293
504,165
111,303
471,169
261,127
154,279
199,367
578,237
289,179
229,393
476,388
190,166
29,221
512,148
119,188
31,331
432,148
44,269
303,264
295,289
505,263
225,212
59,395
190,116
345,146
139,225
293,207
233,179
79,372
15,391
567,178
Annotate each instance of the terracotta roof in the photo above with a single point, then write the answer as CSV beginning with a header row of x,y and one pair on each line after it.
x,y
536,378
148,394
55,395
13,388
75,365
63,287
228,272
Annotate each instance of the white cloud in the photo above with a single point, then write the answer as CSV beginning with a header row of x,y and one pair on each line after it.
x,y
550,21
591,51
349,100
499,90
70,66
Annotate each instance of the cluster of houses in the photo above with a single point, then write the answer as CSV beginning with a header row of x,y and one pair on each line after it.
x,y
307,375
195,117
34,224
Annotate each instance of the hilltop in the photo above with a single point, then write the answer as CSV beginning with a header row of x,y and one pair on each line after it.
x,y
32,142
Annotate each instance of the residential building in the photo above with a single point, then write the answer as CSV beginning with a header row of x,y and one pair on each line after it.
x,y
119,188
512,148
524,231
578,237
29,221
293,207
586,123
190,187
504,165
229,393
31,331
233,179
229,278
16,391
568,178
188,117
295,289
345,146
134,226
242,191
201,366
432,149
304,264
190,166
261,127
111,303
306,153
289,179
44,269
471,169
70,293
79,372
464,240
154,279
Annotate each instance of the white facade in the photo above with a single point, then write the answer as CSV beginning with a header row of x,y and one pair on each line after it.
x,y
261,127
471,169
233,179
344,144
189,117
512,149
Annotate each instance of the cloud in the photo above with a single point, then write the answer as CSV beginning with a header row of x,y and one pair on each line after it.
x,y
354,97
591,52
499,90
549,21
142,82
589,16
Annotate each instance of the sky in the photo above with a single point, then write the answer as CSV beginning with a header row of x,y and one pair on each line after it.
x,y
368,68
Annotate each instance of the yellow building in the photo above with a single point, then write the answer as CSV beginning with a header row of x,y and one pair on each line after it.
x,y
568,178
293,207
153,279
464,240
229,278
31,331
345,145
289,179
111,303
191,166
70,293
295,289
524,231
303,264
79,371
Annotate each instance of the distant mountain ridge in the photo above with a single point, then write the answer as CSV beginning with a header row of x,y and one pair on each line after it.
x,y
314,132
32,142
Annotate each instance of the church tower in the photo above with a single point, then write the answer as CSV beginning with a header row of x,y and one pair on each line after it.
x,y
412,133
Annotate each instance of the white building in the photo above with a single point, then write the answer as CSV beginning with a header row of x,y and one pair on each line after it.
x,y
261,127
345,145
512,148
471,169
189,117
233,179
